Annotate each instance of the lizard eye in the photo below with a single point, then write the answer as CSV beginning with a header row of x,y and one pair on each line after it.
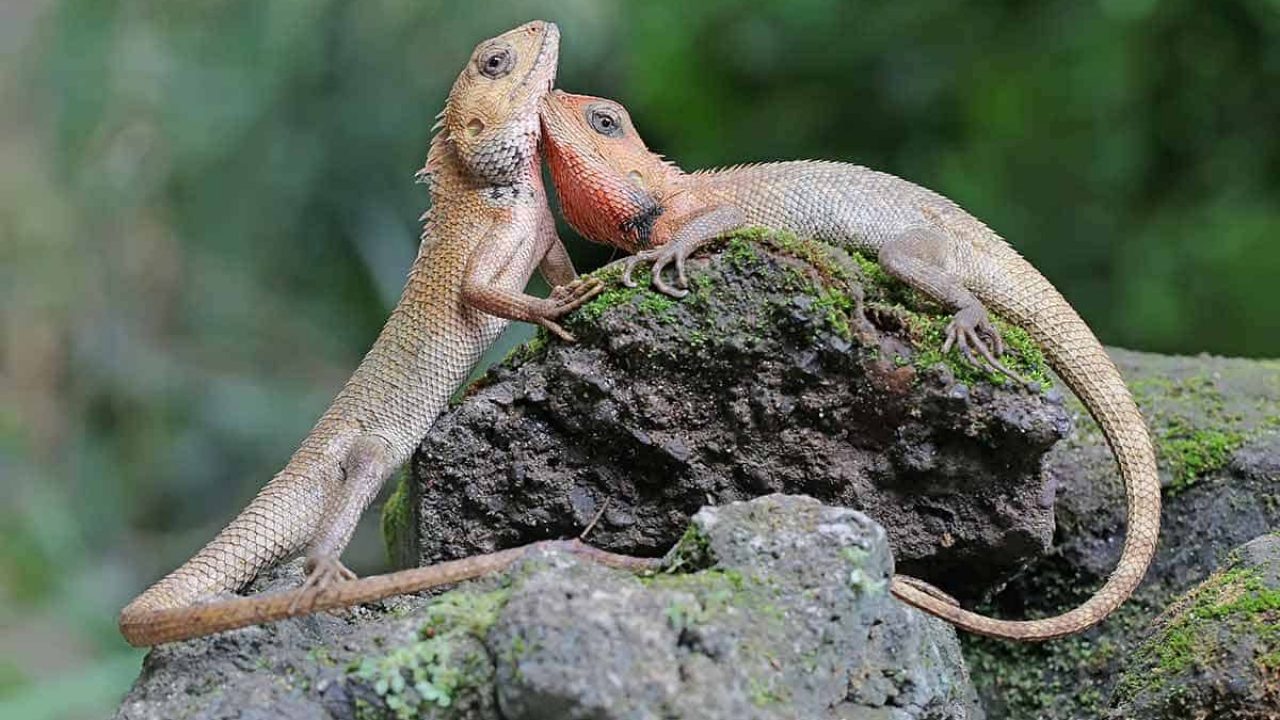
x,y
605,121
496,62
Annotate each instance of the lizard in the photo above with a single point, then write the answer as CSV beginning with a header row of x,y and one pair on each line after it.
x,y
613,189
488,228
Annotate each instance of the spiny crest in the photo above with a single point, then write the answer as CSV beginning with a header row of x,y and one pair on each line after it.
x,y
760,164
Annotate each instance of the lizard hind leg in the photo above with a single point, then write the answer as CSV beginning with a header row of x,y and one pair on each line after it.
x,y
366,465
925,258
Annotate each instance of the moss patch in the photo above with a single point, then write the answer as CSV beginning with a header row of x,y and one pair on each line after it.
x,y
1204,628
1028,680
835,282
399,534
431,672
1194,432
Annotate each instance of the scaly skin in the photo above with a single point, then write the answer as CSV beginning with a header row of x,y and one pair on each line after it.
x,y
613,190
487,230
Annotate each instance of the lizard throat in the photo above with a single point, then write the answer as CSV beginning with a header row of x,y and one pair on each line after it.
x,y
640,225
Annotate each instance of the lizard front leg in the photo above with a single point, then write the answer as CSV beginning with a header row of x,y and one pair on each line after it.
x,y
556,266
687,233
923,257
481,290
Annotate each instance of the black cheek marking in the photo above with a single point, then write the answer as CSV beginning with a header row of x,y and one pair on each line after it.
x,y
641,224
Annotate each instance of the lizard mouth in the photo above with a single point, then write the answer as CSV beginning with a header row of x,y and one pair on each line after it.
x,y
548,54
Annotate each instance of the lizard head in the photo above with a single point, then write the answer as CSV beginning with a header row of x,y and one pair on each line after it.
x,y
490,119
609,184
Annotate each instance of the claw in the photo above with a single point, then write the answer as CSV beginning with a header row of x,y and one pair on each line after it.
x,y
555,329
965,333
565,299
661,285
628,267
323,573
664,257
682,280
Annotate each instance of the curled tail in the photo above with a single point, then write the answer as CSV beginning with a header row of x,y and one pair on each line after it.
x,y
277,523
1024,297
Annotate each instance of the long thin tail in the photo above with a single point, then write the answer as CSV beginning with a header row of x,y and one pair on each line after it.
x,y
277,523
1028,300
188,622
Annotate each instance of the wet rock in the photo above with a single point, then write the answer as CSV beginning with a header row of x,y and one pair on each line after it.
x,y
1215,653
789,368
776,608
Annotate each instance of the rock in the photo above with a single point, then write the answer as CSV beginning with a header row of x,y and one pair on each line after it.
x,y
776,608
1216,423
1215,653
768,377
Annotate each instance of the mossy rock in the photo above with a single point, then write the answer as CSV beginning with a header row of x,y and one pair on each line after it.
x,y
1215,423
789,367
1215,653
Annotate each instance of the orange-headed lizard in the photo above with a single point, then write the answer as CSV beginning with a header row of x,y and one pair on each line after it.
x,y
487,230
613,190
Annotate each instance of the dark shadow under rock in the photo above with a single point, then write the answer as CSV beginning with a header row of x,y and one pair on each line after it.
x,y
771,376
777,608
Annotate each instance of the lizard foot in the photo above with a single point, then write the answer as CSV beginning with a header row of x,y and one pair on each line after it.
x,y
926,588
661,257
971,331
322,573
565,299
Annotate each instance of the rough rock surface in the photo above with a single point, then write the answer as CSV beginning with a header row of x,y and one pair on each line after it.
x,y
776,608
771,376
1216,423
1215,653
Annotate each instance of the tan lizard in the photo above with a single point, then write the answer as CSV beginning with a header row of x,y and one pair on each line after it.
x,y
613,190
487,230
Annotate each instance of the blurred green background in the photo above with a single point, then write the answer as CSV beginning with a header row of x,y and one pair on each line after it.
x,y
207,209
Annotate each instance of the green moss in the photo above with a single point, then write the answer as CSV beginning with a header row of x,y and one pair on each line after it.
x,y
1202,628
433,670
829,275
1194,433
929,333
740,249
692,552
653,303
468,612
534,348
1195,452
596,308
1062,679
763,694
399,533
835,307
